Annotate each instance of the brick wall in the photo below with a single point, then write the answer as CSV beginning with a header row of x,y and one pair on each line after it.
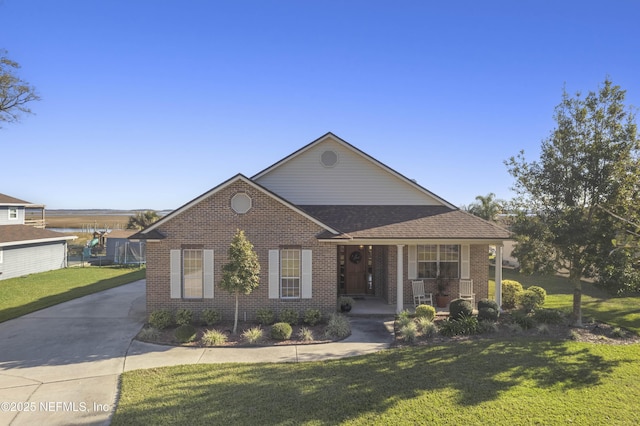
x,y
268,225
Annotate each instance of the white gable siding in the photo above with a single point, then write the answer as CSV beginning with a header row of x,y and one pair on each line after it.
x,y
4,215
354,179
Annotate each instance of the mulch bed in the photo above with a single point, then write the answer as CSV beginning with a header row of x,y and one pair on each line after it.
x,y
594,332
167,336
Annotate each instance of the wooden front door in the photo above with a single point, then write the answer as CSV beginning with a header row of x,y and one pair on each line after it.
x,y
357,270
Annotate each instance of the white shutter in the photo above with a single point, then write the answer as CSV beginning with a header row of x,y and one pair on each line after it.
x,y
412,270
175,274
465,262
274,274
208,274
307,272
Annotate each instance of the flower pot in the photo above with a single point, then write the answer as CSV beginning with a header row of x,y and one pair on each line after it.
x,y
345,308
442,300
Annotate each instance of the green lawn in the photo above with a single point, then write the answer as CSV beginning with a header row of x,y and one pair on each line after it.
x,y
485,381
20,296
596,304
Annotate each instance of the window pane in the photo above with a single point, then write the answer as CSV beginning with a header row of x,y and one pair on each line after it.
x,y
289,273
192,274
427,269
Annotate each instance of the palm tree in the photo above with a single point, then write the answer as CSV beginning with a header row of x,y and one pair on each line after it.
x,y
486,207
142,219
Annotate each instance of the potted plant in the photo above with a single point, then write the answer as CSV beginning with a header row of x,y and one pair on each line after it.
x,y
442,297
345,303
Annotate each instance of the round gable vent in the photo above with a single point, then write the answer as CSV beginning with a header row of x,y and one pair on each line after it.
x,y
329,158
241,203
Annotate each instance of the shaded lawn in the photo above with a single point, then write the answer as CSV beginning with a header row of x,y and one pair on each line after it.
x,y
470,382
596,303
20,296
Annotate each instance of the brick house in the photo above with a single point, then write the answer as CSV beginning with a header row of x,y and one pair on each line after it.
x,y
325,221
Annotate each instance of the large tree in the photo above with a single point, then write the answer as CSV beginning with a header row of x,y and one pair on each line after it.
x,y
242,274
573,197
15,93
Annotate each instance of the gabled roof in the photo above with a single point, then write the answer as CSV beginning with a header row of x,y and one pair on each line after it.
x,y
357,151
11,235
152,232
405,222
12,201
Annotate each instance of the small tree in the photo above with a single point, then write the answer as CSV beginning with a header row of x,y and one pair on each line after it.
x,y
242,274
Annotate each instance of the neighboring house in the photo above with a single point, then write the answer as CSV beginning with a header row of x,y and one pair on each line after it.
x,y
25,246
327,220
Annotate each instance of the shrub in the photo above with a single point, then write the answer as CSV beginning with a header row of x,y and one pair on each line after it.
x,y
265,316
184,316
214,338
533,298
488,314
543,329
549,316
422,323
523,320
305,334
428,330
409,332
161,319
290,316
485,326
511,291
338,327
211,316
465,325
149,334
459,308
312,317
403,321
252,335
185,333
281,331
618,333
404,314
487,303
426,311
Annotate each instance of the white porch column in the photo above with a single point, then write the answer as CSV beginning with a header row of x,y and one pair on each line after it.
x,y
400,280
499,276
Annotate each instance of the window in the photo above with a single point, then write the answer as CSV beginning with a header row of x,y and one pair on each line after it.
x,y
191,274
13,213
438,260
289,273
192,271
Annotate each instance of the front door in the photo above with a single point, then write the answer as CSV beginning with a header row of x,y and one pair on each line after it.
x,y
357,270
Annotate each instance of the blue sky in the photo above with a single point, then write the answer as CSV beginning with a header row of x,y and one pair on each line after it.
x,y
150,103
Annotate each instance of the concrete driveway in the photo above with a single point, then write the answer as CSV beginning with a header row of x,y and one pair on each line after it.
x,y
61,365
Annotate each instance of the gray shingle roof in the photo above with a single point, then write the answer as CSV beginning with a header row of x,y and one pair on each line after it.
x,y
6,199
405,222
18,233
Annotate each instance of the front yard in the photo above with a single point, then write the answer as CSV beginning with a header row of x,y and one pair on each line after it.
x,y
514,378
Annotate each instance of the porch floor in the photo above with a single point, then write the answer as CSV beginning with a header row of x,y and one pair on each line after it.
x,y
376,306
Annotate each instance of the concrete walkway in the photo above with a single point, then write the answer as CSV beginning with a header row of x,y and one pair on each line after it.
x,y
61,365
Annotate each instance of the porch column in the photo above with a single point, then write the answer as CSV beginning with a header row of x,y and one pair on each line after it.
x,y
399,280
499,276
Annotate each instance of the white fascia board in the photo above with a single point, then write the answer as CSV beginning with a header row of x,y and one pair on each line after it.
x,y
41,240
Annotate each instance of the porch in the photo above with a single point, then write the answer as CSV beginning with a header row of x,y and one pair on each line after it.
x,y
376,306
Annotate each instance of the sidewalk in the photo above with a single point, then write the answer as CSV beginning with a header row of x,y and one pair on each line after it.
x,y
61,365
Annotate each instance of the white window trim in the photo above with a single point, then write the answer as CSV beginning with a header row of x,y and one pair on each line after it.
x,y
1,252
176,275
14,209
306,274
463,260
